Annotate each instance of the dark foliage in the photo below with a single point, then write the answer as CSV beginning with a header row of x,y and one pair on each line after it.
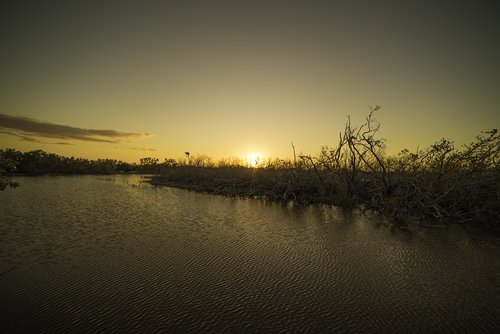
x,y
40,162
442,182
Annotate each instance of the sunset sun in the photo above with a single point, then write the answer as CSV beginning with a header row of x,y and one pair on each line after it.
x,y
253,158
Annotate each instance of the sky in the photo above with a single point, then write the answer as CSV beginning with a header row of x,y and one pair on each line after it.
x,y
132,79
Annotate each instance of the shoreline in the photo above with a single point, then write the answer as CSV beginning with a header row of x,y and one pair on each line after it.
x,y
251,184
483,232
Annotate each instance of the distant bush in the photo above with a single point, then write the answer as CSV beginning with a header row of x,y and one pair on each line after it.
x,y
6,165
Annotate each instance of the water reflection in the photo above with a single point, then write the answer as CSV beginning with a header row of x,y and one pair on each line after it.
x,y
113,253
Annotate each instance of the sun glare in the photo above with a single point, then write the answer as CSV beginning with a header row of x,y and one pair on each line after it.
x,y
253,159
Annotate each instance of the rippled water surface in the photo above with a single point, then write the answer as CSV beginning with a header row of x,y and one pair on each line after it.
x,y
96,253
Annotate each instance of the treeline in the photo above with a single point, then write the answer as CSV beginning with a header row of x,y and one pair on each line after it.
x,y
40,162
442,181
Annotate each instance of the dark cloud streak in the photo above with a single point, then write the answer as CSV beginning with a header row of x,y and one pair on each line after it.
x,y
143,149
27,128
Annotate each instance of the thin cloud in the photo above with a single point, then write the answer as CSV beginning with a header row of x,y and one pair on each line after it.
x,y
145,149
27,128
32,139
7,132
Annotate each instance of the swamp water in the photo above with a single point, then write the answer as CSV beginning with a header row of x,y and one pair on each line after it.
x,y
110,253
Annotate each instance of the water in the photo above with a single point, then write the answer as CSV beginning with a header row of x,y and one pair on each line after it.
x,y
109,253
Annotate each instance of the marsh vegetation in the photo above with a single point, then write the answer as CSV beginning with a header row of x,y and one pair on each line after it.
x,y
458,184
442,181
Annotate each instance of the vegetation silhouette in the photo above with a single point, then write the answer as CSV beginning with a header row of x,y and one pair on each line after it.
x,y
441,181
6,165
39,162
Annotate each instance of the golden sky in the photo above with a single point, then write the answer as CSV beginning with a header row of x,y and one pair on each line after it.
x,y
130,79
